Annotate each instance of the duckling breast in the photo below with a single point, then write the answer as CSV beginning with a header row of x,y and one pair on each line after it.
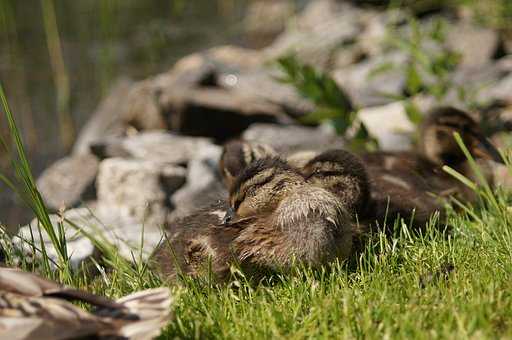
x,y
310,226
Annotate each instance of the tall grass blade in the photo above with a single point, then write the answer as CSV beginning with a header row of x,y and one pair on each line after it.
x,y
27,190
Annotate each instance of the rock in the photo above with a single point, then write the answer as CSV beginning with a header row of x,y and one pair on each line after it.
x,y
220,59
106,120
374,81
217,113
476,45
141,107
82,223
69,181
486,84
79,246
323,26
265,19
137,191
390,125
262,85
160,146
500,90
132,240
291,138
204,182
235,57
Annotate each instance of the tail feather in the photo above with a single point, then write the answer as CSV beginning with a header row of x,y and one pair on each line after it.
x,y
152,308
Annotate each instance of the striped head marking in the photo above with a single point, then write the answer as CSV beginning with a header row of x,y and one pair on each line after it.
x,y
262,185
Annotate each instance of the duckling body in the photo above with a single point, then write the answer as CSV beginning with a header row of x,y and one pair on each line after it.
x,y
198,242
273,218
413,185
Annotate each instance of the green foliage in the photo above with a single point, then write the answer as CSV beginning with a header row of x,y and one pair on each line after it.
x,y
429,63
428,69
332,103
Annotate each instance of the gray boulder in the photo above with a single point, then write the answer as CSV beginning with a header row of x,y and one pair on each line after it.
x,y
160,146
137,191
69,181
374,81
84,228
476,45
389,125
292,138
79,246
321,27
204,182
106,120
218,113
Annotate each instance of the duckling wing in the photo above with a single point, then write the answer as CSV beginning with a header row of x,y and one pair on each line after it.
x,y
23,317
31,285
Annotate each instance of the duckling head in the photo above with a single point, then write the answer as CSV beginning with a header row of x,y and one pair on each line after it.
x,y
437,142
343,174
237,155
260,188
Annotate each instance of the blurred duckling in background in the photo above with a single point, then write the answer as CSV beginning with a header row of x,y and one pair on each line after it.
x,y
32,307
407,182
437,147
273,219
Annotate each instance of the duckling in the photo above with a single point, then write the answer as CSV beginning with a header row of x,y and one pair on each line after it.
x,y
237,154
273,219
32,307
407,182
437,147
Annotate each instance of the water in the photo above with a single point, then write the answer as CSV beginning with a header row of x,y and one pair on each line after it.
x,y
101,41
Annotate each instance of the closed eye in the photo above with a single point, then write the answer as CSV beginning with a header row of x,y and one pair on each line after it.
x,y
325,173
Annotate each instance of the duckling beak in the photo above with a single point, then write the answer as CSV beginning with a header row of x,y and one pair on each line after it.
x,y
486,150
229,217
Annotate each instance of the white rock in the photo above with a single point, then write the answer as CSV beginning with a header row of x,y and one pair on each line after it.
x,y
390,125
79,247
131,240
137,190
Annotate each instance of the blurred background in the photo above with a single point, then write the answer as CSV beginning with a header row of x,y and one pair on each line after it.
x,y
58,59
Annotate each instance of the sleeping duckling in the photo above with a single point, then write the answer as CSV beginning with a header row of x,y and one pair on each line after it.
x,y
274,218
35,308
407,182
437,147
